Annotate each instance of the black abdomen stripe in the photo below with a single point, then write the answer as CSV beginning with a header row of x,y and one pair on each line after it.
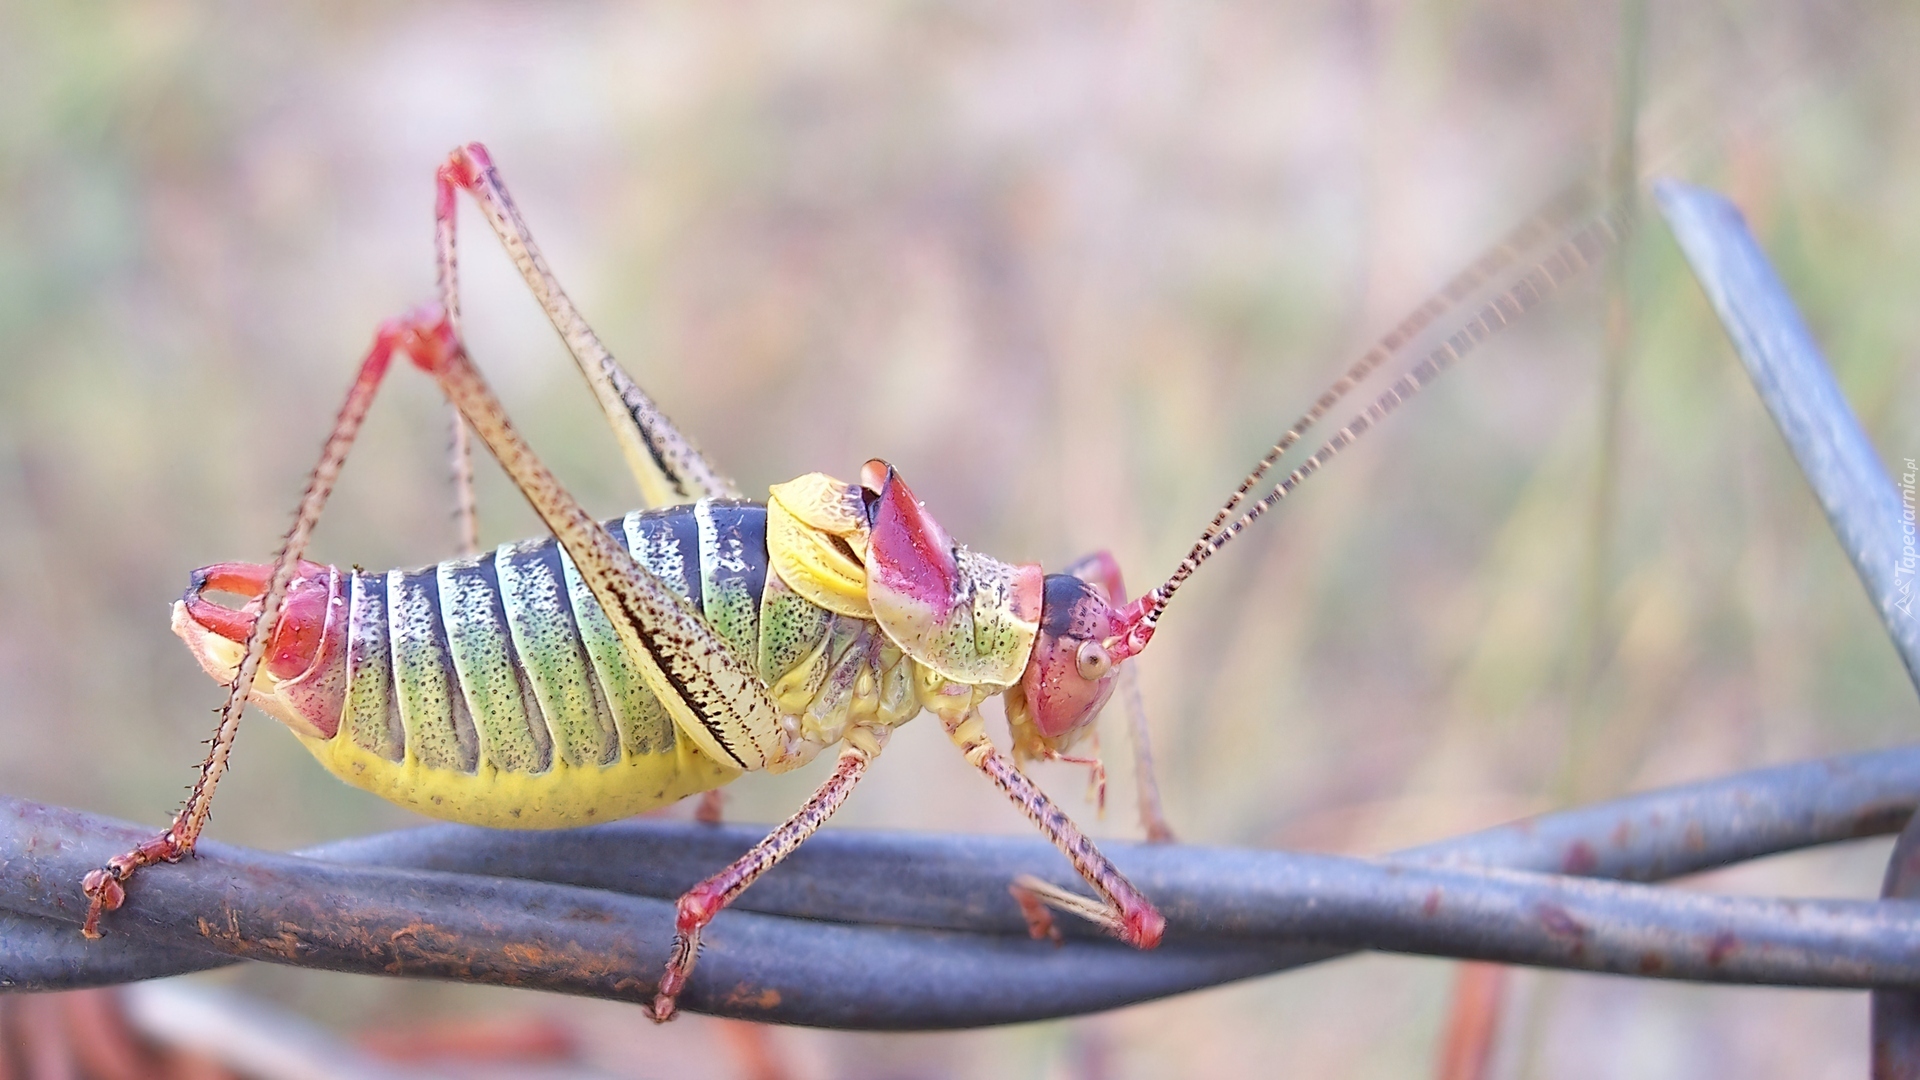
x,y
508,661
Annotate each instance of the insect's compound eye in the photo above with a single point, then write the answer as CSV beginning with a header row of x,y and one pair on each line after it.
x,y
1093,660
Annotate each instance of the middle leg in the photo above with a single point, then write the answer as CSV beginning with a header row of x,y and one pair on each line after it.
x,y
702,902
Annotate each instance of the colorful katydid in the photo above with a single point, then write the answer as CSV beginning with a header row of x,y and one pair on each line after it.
x,y
616,667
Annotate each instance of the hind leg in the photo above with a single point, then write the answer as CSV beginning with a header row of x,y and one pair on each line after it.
x,y
105,888
667,465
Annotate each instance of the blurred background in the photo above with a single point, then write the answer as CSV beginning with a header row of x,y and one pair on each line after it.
x,y
1072,267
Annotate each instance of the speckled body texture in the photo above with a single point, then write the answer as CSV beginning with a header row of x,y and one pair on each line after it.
x,y
494,691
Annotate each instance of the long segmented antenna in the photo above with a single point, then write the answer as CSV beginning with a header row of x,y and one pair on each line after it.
x,y
1549,221
1571,255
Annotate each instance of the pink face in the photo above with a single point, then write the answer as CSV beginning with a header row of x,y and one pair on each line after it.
x,y
1071,673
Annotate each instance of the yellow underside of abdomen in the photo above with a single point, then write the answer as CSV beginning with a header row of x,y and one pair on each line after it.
x,y
562,797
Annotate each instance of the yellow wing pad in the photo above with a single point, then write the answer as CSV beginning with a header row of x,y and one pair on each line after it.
x,y
817,542
973,619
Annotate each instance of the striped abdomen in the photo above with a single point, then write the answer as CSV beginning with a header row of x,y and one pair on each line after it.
x,y
494,691
506,660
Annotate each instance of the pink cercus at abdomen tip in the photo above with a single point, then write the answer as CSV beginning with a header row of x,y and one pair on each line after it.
x,y
301,631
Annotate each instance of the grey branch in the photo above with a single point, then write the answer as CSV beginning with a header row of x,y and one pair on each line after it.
x,y
897,930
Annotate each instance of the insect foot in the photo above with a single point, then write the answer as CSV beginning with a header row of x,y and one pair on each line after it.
x,y
695,910
700,904
106,888
104,893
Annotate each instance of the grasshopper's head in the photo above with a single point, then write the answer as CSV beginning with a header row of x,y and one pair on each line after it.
x,y
1049,640
302,677
1073,667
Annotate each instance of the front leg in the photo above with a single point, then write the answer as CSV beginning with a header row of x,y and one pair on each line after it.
x,y
1102,570
1096,774
1125,913
1145,778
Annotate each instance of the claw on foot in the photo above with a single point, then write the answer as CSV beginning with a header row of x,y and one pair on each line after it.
x,y
1132,920
1143,927
106,888
696,909
104,893
666,999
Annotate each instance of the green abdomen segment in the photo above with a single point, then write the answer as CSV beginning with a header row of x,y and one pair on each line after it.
x,y
494,691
